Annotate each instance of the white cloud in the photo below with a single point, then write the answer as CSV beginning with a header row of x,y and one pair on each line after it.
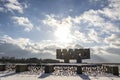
x,y
99,50
23,21
24,44
21,42
61,27
105,54
93,35
52,21
113,10
93,26
113,40
68,29
103,18
36,47
94,19
110,49
24,47
14,5
81,37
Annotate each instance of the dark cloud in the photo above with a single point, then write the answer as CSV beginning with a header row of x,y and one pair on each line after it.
x,y
11,50
112,50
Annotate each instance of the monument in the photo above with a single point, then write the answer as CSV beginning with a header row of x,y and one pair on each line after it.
x,y
77,54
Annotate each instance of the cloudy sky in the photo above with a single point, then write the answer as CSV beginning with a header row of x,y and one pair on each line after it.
x,y
36,28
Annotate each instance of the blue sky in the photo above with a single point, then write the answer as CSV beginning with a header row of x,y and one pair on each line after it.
x,y
30,28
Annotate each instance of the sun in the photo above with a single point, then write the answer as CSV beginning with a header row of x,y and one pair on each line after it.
x,y
63,34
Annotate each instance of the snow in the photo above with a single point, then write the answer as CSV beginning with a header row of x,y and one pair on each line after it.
x,y
54,76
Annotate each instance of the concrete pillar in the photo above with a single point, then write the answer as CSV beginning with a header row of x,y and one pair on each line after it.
x,y
49,68
66,60
79,60
2,67
108,69
115,70
21,68
79,70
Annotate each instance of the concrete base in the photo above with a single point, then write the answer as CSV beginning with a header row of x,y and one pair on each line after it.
x,y
2,67
49,69
79,70
79,61
21,68
113,70
66,60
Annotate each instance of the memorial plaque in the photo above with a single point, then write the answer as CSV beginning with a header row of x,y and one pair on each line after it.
x,y
73,54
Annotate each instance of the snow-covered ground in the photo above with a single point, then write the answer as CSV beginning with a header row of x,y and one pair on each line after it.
x,y
54,76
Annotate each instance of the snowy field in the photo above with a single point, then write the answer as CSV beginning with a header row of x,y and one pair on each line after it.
x,y
55,76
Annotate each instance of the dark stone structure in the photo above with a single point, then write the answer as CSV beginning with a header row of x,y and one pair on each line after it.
x,y
77,54
79,70
2,67
112,69
21,68
49,68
